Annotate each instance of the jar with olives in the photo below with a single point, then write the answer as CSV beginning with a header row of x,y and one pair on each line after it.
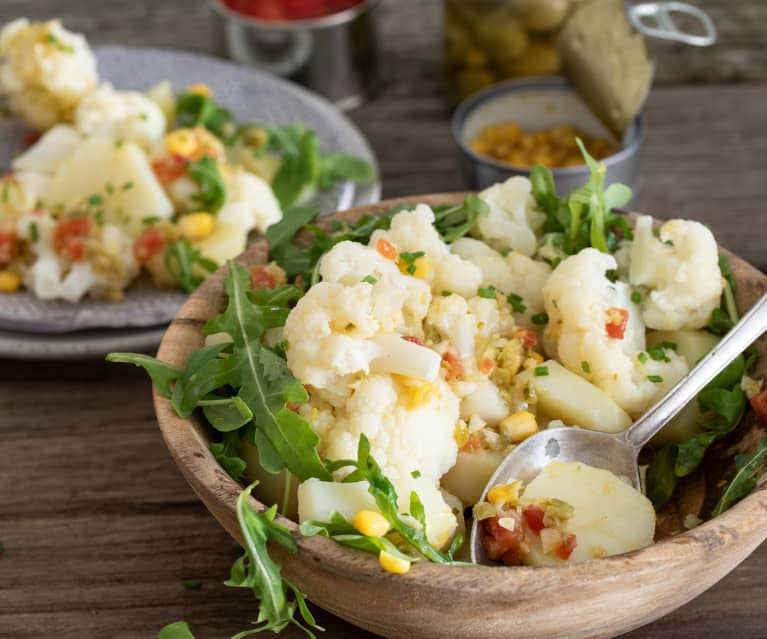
x,y
491,40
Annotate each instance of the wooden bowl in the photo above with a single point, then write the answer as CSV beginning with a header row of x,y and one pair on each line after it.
x,y
601,598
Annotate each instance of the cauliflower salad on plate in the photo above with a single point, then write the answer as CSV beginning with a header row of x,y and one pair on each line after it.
x,y
125,184
399,358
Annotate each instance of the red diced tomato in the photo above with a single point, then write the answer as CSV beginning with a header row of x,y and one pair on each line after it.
x,y
617,319
169,168
501,543
413,339
454,366
474,443
150,243
758,403
69,237
386,249
486,365
9,246
262,277
534,518
527,337
292,406
568,545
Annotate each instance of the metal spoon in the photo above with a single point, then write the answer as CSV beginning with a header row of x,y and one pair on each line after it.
x,y
619,453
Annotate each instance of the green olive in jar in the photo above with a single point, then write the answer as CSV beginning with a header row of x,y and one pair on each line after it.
x,y
543,15
540,58
504,38
470,81
457,45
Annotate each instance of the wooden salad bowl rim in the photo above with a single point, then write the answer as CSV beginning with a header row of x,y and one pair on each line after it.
x,y
601,598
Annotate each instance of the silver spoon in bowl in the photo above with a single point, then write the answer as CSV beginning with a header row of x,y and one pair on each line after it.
x,y
619,453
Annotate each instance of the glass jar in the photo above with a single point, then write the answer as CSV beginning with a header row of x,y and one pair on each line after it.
x,y
491,40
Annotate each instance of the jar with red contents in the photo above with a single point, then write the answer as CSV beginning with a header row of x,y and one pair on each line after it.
x,y
331,46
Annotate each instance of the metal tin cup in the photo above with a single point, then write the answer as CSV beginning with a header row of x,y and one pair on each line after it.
x,y
337,56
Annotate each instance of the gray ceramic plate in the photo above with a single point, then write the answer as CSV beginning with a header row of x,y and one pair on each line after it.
x,y
251,96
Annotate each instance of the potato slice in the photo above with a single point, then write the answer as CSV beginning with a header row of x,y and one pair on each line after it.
x,y
467,479
224,243
49,151
610,517
564,395
120,174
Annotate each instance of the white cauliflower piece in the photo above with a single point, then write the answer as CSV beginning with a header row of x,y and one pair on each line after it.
x,y
683,277
577,298
120,115
514,218
332,330
451,317
413,231
114,264
47,280
250,202
45,71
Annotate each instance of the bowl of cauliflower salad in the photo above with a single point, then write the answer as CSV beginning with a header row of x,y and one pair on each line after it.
x,y
366,380
119,187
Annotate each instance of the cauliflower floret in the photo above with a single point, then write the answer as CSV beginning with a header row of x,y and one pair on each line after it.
x,y
681,271
451,317
577,298
250,202
120,115
514,219
335,331
47,280
413,231
114,265
45,71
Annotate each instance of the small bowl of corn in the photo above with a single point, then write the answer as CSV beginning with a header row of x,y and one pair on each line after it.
x,y
510,127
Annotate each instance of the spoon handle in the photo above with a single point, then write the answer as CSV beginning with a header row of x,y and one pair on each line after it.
x,y
742,335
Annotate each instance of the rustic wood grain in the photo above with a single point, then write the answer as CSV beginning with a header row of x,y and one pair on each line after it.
x,y
98,525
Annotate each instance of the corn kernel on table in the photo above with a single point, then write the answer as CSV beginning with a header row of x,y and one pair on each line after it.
x,y
99,528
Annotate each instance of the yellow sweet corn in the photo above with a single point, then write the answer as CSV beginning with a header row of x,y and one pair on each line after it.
x,y
181,142
392,563
371,523
417,395
505,493
420,267
196,226
199,89
519,426
10,282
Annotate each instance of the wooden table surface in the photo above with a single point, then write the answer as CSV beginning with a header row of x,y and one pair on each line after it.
x,y
100,529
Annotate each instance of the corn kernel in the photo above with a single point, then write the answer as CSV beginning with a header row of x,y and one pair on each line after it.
x,y
199,89
417,395
371,523
392,563
10,282
519,426
505,493
422,267
196,226
182,142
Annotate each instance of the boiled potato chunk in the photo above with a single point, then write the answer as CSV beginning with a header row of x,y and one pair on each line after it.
x,y
280,488
467,479
564,395
692,345
49,151
163,96
224,243
318,500
120,174
609,516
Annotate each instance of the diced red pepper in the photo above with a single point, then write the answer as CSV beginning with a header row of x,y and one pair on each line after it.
x,y
9,246
528,338
502,544
292,406
759,404
486,365
169,168
413,339
262,277
454,366
69,237
617,320
150,243
386,249
473,444
534,518
568,545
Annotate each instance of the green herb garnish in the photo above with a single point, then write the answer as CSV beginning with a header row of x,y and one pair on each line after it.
x,y
540,318
34,234
187,264
748,469
409,260
636,297
516,302
586,367
487,293
655,379
212,193
541,371
370,280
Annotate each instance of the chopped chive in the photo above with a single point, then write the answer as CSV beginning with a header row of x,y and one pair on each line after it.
x,y
95,200
119,143
586,367
127,186
34,235
541,371
415,474
447,293
636,297
143,116
516,303
540,318
6,188
152,219
488,293
642,357
655,379
109,188
409,259
98,217
505,252
369,279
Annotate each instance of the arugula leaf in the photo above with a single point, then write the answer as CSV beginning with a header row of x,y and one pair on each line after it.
x,y
294,219
455,222
340,166
226,414
187,264
161,374
748,468
299,171
258,572
212,193
193,109
661,476
176,630
227,452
